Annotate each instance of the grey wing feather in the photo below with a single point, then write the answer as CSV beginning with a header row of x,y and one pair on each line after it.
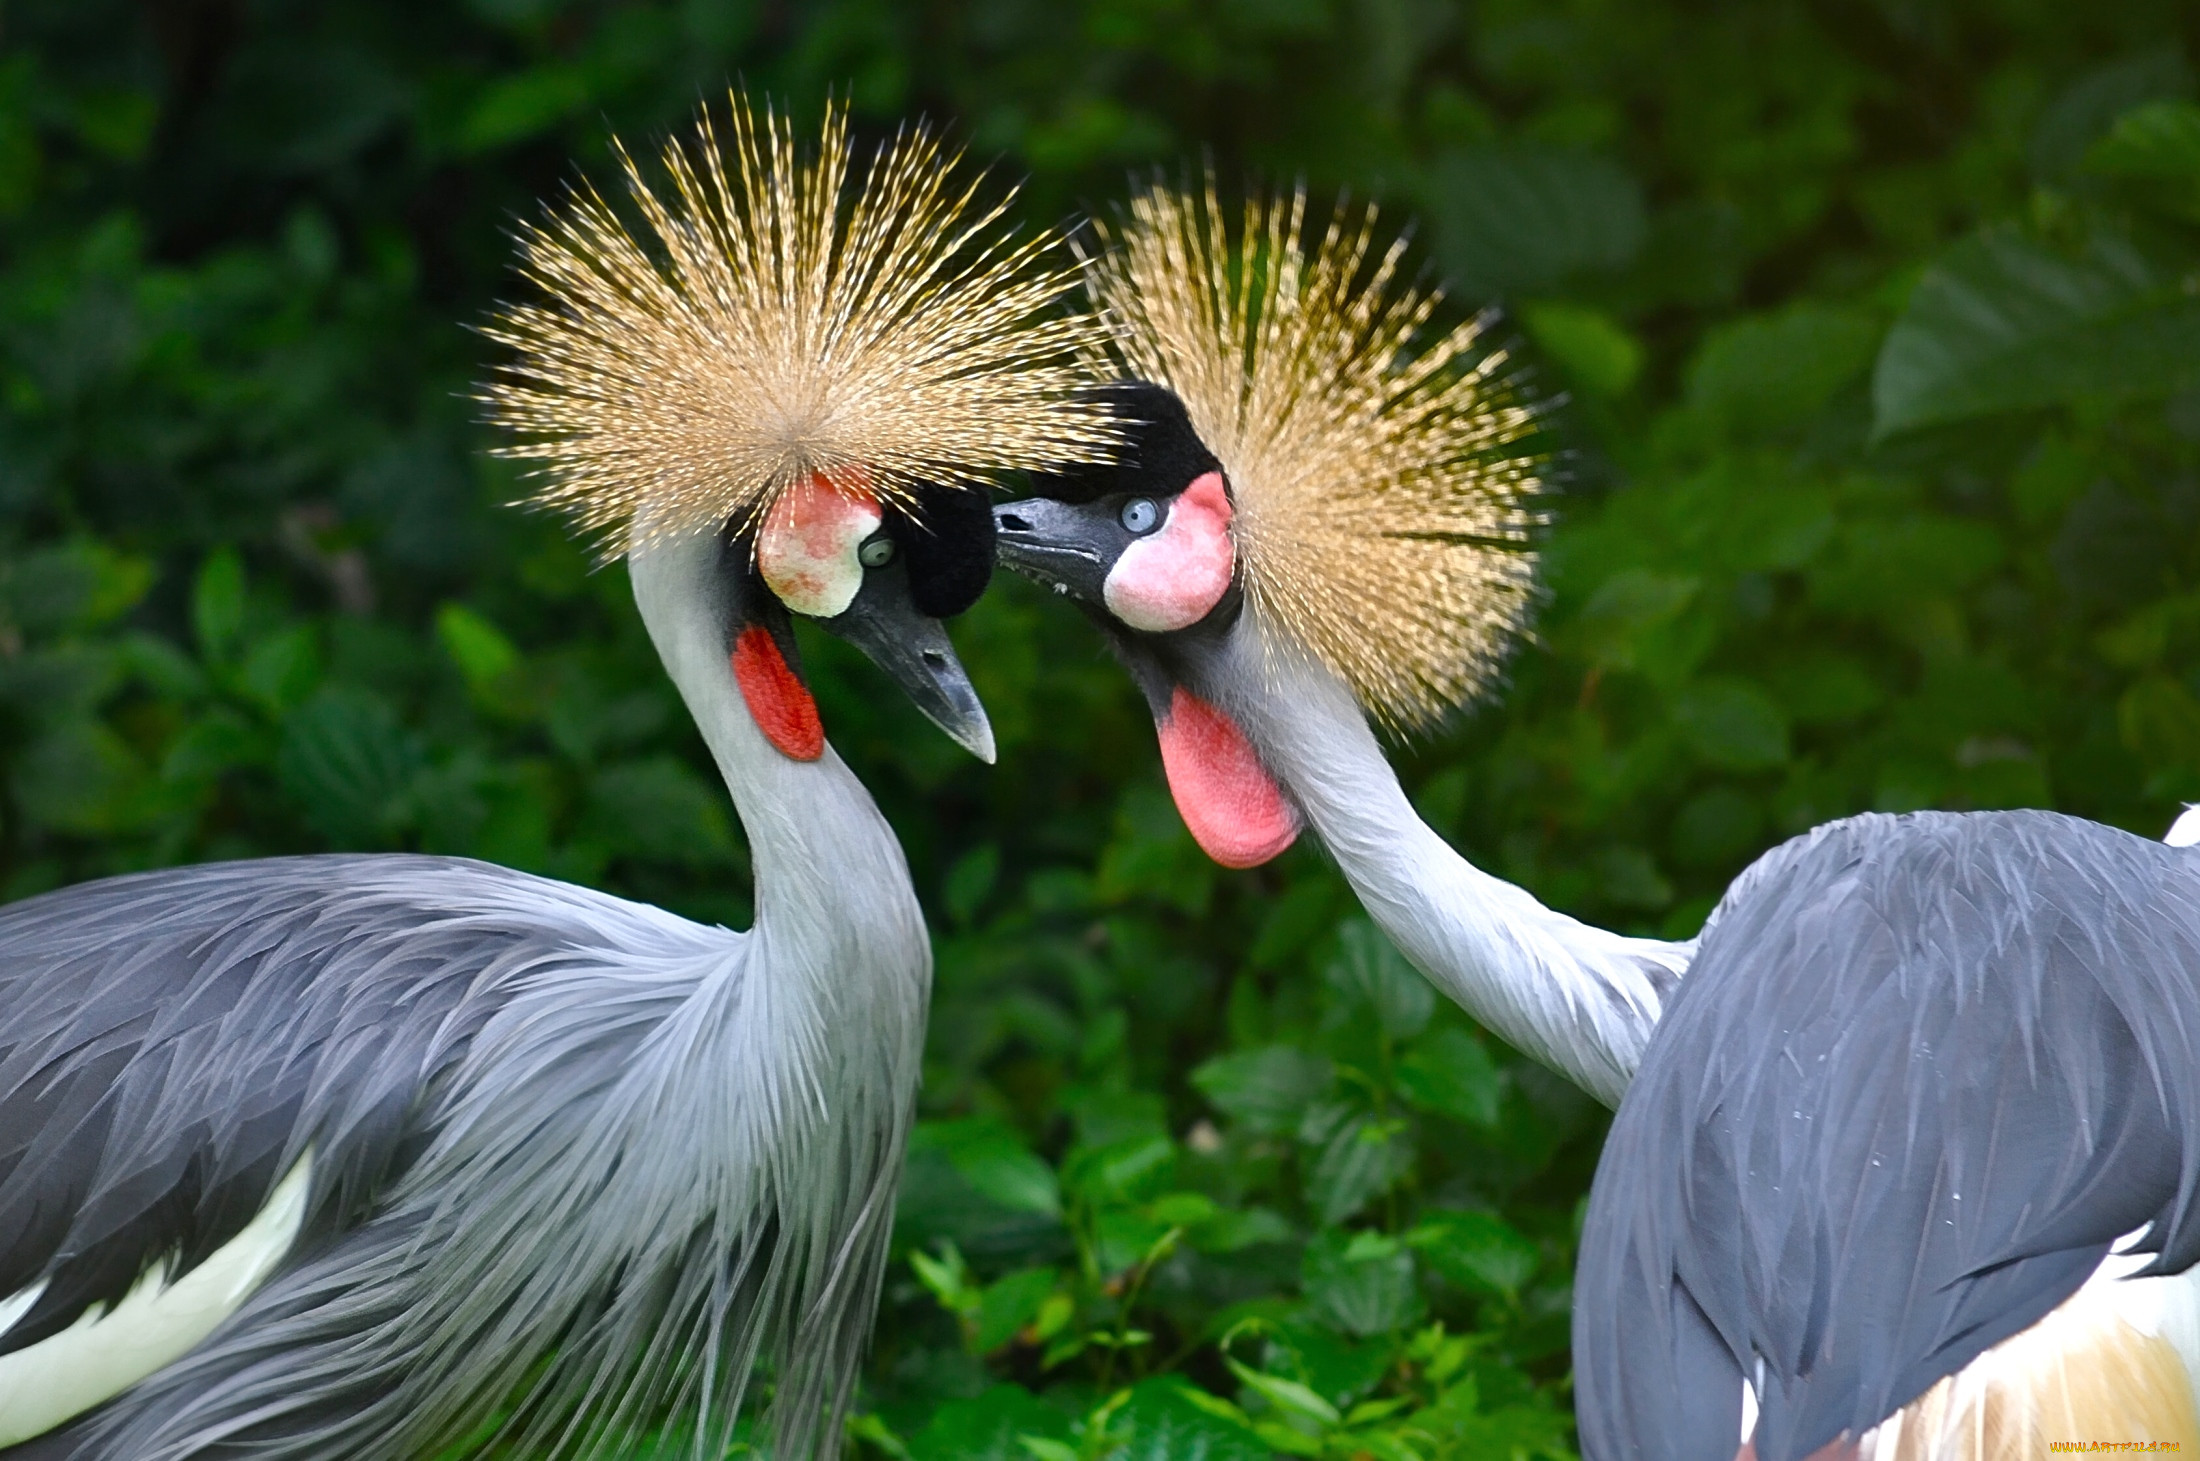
x,y
1924,1071
170,1043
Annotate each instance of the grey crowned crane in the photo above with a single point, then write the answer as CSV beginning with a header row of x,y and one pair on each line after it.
x,y
334,1157
1910,1169
1315,520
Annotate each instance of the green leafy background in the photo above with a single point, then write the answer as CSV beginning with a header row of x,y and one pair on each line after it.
x,y
1879,325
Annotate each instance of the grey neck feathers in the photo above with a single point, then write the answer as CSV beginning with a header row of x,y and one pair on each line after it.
x,y
832,886
1579,999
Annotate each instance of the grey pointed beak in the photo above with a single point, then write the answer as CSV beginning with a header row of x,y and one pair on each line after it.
x,y
915,652
1067,546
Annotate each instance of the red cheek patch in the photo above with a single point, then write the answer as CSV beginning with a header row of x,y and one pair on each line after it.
x,y
806,549
1235,810
1171,579
778,701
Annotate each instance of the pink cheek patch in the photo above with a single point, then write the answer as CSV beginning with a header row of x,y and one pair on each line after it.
x,y
1172,578
807,548
1235,810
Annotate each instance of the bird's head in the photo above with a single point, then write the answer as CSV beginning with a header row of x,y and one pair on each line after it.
x,y
1144,545
876,573
782,396
1309,470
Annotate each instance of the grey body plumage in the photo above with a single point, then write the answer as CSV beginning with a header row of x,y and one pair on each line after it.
x,y
563,1145
460,1046
1924,1072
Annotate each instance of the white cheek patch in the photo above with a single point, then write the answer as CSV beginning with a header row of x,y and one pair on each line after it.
x,y
1172,578
807,547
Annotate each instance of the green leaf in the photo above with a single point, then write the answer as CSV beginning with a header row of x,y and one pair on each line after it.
x,y
1279,1437
1825,687
970,880
1887,566
948,1277
78,777
1716,826
659,810
988,1428
1450,1073
993,1159
1733,724
1512,219
1517,1432
1478,1250
65,683
1333,1364
1373,1410
514,108
1360,1156
347,764
162,667
1288,1396
1121,1171
1009,1304
217,604
1292,920
1165,1420
1369,971
2090,104
1629,877
1625,609
1106,1117
2159,720
871,1430
1596,351
482,652
2155,152
281,670
1266,1090
1360,1287
2003,323
1773,373
1045,1450
80,584
1183,1209
217,741
1233,1229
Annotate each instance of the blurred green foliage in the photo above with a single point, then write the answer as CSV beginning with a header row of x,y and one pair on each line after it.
x,y
1881,329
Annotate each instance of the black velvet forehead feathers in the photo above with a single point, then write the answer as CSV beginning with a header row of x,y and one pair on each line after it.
x,y
1161,454
948,546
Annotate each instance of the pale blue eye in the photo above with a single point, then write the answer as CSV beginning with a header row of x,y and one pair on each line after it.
x,y
877,553
1140,515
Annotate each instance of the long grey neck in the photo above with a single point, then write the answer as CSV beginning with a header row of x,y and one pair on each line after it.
x,y
1579,999
833,896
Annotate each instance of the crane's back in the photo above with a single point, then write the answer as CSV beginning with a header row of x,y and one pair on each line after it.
x,y
1924,1071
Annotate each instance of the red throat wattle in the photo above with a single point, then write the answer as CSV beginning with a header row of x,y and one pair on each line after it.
x,y
1235,810
778,701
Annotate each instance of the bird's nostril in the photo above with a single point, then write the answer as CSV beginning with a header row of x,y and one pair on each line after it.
x,y
1010,523
935,660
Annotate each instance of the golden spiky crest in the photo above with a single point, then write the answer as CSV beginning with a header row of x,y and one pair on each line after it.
x,y
1383,506
774,328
